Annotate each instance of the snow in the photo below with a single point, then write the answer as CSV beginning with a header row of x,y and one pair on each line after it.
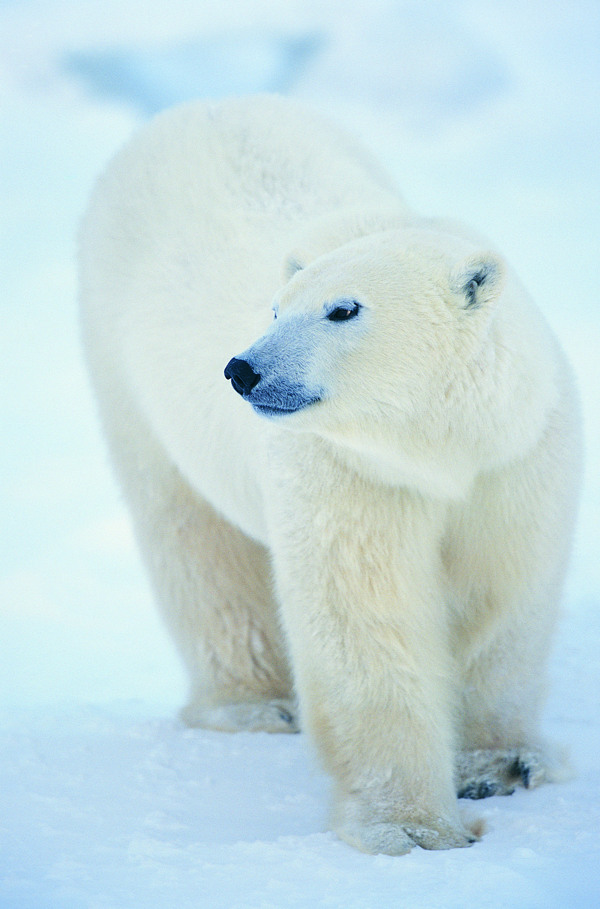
x,y
488,112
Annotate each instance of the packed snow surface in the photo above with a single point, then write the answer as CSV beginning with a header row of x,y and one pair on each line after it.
x,y
488,112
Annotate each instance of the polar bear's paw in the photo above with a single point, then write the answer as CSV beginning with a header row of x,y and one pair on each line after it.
x,y
253,716
367,824
485,772
398,839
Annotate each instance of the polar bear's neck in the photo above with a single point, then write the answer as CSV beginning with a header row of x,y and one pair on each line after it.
x,y
430,473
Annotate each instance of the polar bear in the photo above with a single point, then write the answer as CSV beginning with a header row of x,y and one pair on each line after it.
x,y
367,526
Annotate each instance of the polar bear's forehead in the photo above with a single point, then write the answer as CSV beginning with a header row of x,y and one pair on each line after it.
x,y
313,289
373,271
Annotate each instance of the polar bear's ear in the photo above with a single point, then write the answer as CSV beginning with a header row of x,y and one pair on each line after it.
x,y
479,280
291,266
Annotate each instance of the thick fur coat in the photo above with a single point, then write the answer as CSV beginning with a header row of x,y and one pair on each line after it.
x,y
366,529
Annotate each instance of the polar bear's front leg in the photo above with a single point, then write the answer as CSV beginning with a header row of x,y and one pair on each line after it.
x,y
359,583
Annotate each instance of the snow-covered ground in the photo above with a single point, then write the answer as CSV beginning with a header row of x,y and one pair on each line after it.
x,y
485,111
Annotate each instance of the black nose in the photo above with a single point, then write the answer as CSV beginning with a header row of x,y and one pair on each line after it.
x,y
243,378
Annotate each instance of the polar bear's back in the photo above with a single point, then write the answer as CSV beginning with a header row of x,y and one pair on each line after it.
x,y
182,250
223,189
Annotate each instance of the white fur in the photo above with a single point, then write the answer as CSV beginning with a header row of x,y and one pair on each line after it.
x,y
410,529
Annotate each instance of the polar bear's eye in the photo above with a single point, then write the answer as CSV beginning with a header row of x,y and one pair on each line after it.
x,y
344,311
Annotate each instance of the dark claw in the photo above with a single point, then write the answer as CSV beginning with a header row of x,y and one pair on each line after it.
x,y
513,771
520,770
481,790
525,772
467,792
486,789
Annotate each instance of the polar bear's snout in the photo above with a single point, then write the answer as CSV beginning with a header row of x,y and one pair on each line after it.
x,y
271,376
243,378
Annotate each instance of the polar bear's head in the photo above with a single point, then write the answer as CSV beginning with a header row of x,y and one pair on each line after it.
x,y
382,340
377,326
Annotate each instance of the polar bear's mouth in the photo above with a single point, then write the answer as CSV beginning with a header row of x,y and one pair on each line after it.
x,y
276,410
